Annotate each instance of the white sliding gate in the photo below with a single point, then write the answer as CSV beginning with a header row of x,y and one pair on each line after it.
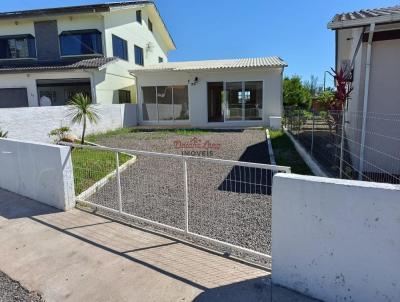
x,y
223,202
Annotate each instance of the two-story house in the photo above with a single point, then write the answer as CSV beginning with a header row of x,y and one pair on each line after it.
x,y
58,52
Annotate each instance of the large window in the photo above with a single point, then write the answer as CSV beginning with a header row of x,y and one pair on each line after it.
x,y
17,47
165,103
139,58
120,48
81,42
235,101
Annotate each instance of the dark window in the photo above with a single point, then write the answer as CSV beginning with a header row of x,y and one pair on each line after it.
x,y
160,60
120,48
139,16
16,47
124,96
139,59
150,25
81,42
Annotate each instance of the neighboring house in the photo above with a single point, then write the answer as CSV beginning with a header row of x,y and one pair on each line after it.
x,y
58,52
216,93
368,44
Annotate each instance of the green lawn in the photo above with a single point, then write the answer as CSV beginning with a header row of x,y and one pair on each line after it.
x,y
92,165
158,133
286,154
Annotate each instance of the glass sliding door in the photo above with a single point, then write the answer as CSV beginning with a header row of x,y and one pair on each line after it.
x,y
181,103
234,95
253,96
149,106
215,100
164,102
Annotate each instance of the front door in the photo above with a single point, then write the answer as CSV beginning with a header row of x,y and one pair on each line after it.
x,y
215,95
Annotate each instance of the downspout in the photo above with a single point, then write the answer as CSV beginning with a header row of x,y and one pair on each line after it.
x,y
365,105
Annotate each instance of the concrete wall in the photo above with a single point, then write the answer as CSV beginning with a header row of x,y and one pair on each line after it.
x,y
336,240
272,92
39,171
34,123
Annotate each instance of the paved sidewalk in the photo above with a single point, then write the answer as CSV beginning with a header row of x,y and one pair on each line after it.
x,y
77,256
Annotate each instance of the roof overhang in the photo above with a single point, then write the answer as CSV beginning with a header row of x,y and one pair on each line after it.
x,y
335,25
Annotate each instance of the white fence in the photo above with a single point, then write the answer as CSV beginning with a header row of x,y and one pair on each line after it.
x,y
35,123
223,202
42,172
336,240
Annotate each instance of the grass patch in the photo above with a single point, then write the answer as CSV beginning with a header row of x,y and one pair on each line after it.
x,y
286,154
146,133
92,165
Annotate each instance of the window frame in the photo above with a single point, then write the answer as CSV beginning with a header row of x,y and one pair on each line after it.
x,y
139,18
125,47
138,48
26,36
77,32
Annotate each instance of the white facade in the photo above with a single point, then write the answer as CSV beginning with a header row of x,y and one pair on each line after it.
x,y
271,79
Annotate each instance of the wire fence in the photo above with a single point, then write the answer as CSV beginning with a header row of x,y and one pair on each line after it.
x,y
222,204
345,148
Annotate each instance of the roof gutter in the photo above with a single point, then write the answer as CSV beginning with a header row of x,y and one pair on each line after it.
x,y
365,106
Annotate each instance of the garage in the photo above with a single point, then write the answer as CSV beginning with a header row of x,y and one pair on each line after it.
x,y
13,97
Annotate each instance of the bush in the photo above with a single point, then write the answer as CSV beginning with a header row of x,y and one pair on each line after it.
x,y
60,134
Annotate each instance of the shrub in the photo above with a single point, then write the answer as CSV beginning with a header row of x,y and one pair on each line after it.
x,y
60,134
3,134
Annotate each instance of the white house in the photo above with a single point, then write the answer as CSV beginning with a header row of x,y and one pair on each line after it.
x,y
368,45
217,93
57,52
118,53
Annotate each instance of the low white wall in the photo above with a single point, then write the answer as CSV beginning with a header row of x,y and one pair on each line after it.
x,y
34,123
42,172
336,240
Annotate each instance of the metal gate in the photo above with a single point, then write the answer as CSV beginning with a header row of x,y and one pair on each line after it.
x,y
224,203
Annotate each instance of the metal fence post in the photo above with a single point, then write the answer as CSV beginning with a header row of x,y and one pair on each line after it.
x,y
342,145
118,183
185,175
312,133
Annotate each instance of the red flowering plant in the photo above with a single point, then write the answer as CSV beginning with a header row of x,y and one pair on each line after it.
x,y
344,88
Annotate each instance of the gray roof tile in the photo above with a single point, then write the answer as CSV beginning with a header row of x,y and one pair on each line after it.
x,y
93,63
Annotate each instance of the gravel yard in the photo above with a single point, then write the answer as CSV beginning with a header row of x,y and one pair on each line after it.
x,y
12,291
226,202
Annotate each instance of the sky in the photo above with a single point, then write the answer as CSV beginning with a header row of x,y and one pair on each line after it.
x,y
223,29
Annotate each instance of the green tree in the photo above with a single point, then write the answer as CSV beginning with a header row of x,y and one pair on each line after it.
x,y
294,93
81,111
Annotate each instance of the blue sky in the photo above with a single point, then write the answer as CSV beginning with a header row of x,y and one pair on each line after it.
x,y
218,29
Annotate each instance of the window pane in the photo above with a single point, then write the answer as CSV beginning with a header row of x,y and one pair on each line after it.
x,y
165,108
139,59
150,25
235,101
181,103
253,96
149,106
124,96
17,47
73,44
120,48
139,16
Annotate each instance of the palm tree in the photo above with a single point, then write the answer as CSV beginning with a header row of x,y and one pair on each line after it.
x,y
82,110
3,134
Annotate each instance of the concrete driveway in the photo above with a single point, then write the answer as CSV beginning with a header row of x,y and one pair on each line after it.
x,y
78,256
